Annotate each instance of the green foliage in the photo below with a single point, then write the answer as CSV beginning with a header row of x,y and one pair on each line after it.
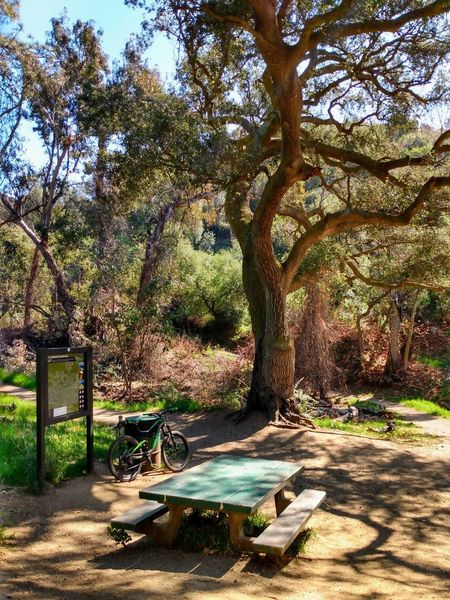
x,y
299,545
20,379
438,362
403,431
373,407
120,536
425,406
207,531
65,446
255,524
204,531
209,289
15,255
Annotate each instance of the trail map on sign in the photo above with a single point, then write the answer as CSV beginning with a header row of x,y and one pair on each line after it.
x,y
64,379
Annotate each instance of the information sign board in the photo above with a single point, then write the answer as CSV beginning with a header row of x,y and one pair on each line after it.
x,y
64,392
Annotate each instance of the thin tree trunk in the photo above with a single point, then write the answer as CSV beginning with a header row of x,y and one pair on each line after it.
x,y
64,296
359,328
393,359
407,350
30,289
152,249
99,194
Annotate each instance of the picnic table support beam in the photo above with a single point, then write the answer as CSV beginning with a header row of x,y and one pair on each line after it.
x,y
237,535
165,533
281,501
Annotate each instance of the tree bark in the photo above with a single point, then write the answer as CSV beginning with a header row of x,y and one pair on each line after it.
x,y
30,289
393,359
407,350
272,381
64,296
152,248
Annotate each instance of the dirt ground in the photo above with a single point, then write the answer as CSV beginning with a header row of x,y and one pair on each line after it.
x,y
383,531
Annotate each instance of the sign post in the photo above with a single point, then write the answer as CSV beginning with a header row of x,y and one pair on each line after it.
x,y
64,392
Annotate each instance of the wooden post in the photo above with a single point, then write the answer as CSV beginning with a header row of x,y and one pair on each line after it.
x,y
165,533
281,501
237,535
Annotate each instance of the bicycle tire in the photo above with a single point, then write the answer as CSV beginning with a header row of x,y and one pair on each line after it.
x,y
121,463
175,451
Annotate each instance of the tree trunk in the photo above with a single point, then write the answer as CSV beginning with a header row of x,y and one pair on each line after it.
x,y
272,382
64,296
314,365
152,248
393,359
407,350
31,288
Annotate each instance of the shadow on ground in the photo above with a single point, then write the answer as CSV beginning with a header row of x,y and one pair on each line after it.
x,y
383,530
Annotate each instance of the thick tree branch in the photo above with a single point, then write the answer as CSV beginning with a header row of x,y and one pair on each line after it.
x,y
404,283
378,168
350,218
336,32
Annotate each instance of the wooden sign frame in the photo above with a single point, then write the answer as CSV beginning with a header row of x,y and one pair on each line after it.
x,y
48,412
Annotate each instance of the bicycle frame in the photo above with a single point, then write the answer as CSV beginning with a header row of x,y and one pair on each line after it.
x,y
163,431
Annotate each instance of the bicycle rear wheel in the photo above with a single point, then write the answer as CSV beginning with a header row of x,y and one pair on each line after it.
x,y
175,451
123,464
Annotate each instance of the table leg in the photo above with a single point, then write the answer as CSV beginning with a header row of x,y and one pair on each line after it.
x,y
237,535
165,533
281,501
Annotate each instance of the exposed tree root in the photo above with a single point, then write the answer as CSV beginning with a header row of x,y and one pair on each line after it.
x,y
290,418
282,425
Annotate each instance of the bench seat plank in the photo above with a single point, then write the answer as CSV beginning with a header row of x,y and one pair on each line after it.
x,y
136,517
280,534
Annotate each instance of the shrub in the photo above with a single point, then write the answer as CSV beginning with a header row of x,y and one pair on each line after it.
x,y
209,296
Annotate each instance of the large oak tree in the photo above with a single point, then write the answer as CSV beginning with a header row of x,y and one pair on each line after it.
x,y
298,87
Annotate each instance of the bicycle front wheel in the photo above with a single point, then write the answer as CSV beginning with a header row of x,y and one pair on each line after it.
x,y
123,463
175,451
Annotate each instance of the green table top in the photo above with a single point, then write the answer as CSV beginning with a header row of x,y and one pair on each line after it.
x,y
229,483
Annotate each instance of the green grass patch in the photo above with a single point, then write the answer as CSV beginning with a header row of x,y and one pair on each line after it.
x,y
6,539
438,362
181,404
20,379
403,430
425,406
368,405
431,362
65,446
167,398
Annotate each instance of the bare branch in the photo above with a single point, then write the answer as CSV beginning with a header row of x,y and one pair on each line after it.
x,y
405,283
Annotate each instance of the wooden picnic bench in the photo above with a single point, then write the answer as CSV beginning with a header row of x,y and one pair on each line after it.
x,y
232,484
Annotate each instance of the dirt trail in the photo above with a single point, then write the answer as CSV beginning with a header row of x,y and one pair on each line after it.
x,y
383,531
429,423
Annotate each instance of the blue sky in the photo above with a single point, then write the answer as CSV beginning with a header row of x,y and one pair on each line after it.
x,y
117,22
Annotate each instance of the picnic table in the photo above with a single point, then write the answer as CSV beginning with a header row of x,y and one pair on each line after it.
x,y
232,484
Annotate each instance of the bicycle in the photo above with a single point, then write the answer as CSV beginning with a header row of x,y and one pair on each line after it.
x,y
127,455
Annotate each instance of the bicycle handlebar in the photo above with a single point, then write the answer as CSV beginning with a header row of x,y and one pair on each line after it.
x,y
160,414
